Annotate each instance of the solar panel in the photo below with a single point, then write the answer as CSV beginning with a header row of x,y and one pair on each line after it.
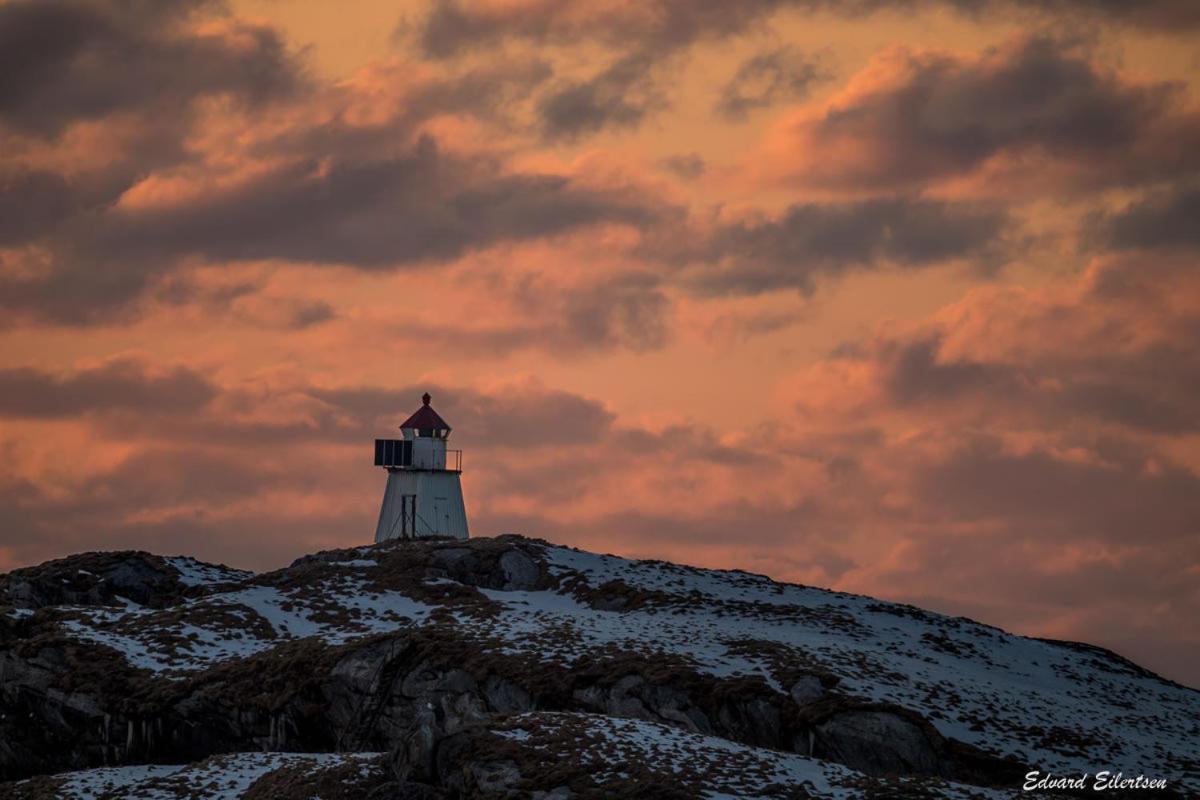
x,y
393,453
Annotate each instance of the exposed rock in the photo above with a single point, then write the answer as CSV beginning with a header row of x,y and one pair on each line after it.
x,y
806,690
879,743
520,571
504,567
93,579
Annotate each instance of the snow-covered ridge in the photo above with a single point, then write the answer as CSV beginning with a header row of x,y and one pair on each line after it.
x,y
1066,708
555,610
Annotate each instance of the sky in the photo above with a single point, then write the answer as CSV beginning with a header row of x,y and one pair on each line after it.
x,y
897,297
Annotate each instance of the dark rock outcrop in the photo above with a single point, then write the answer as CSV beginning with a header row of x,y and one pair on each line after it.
x,y
94,579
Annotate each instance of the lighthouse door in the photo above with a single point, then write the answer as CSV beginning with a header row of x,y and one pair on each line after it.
x,y
441,521
408,515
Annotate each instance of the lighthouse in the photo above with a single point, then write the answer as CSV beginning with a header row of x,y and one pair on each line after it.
x,y
424,485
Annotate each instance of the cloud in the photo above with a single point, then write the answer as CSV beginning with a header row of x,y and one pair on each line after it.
x,y
171,502
517,416
1110,353
687,166
1036,111
1160,16
67,60
417,207
768,78
133,403
337,212
1164,218
619,96
622,311
118,385
32,203
809,240
451,28
642,41
1102,500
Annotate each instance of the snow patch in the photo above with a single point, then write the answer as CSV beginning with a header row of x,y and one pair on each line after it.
x,y
225,777
196,573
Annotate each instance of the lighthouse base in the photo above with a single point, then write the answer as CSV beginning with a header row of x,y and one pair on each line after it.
x,y
418,503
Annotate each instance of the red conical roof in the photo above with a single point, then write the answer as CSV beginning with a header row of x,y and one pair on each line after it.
x,y
425,417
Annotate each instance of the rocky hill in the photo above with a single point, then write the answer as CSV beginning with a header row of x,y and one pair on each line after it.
x,y
510,667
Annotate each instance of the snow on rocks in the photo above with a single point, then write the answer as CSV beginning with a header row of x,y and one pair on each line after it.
x,y
196,573
608,756
225,777
241,622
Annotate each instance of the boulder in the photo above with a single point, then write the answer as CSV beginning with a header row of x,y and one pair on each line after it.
x,y
878,743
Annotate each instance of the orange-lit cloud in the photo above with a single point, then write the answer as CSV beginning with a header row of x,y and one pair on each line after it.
x,y
1037,114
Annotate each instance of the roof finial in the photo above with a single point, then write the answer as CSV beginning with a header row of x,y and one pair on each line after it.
x,y
425,398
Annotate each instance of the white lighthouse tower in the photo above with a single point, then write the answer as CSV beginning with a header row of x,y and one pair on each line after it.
x,y
424,486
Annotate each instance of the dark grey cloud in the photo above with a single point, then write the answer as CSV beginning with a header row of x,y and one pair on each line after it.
x,y
374,214
142,63
181,408
451,27
176,502
813,239
1160,16
245,301
68,60
688,166
621,312
121,385
768,78
1067,499
1150,389
915,374
489,92
32,203
629,312
650,534
945,116
1166,218
646,46
519,417
619,96
307,314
